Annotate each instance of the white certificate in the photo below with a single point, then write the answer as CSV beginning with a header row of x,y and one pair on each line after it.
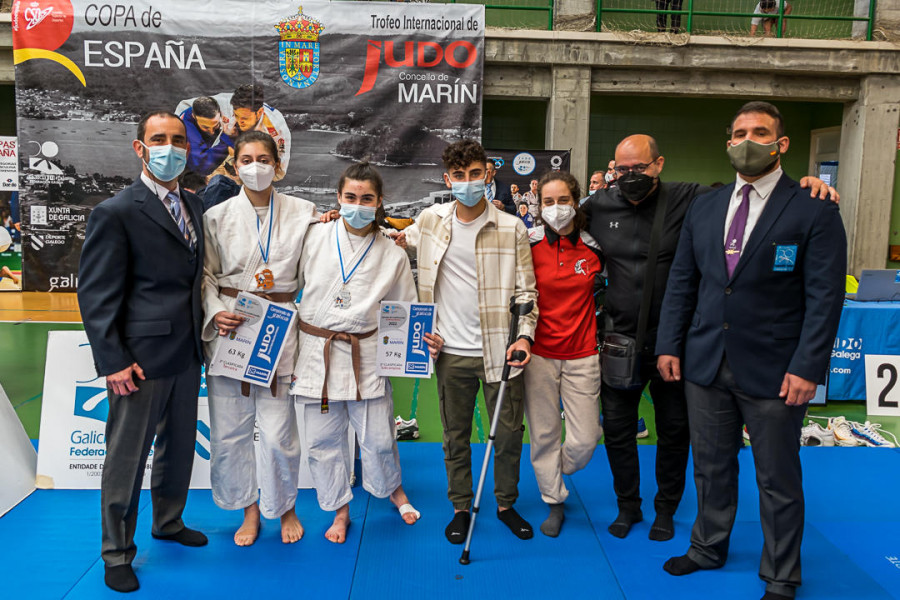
x,y
251,352
402,351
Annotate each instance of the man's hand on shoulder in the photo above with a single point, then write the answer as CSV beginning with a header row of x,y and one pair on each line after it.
x,y
796,390
123,383
669,367
819,189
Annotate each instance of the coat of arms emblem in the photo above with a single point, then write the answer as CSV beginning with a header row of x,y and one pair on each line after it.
x,y
298,50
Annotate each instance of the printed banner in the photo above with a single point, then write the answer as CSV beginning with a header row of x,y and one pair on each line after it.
x,y
73,422
332,82
251,352
402,351
9,164
521,169
10,243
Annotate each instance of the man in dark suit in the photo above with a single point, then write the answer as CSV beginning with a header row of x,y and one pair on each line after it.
x,y
752,307
497,191
139,293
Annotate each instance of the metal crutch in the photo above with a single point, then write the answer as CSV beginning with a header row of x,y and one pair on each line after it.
x,y
517,311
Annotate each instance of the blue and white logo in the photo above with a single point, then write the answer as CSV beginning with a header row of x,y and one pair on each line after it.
x,y
785,257
524,164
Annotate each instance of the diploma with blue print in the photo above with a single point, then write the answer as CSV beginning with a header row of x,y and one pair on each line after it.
x,y
402,351
251,352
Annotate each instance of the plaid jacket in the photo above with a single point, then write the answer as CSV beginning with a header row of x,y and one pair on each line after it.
x,y
503,263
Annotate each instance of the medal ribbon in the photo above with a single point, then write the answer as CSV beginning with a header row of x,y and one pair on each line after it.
x,y
265,253
346,276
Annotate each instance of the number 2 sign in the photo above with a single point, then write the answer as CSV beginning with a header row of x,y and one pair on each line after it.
x,y
882,389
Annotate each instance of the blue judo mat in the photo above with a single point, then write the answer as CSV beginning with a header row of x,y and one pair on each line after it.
x,y
852,541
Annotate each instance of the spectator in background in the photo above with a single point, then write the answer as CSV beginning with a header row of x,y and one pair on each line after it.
x,y
611,176
496,191
674,21
768,7
597,182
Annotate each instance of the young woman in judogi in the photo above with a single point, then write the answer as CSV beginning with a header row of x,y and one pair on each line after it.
x,y
253,244
347,268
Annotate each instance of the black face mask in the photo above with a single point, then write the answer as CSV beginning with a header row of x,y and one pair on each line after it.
x,y
635,186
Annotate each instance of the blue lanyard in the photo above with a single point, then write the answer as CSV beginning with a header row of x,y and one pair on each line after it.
x,y
337,241
265,253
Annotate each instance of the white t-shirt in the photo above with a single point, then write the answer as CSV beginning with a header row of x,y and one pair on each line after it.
x,y
769,15
456,290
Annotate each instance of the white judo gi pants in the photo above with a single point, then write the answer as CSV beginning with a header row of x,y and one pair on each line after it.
x,y
326,437
236,482
577,383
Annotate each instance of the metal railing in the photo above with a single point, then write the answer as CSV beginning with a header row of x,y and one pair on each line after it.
x,y
498,20
781,17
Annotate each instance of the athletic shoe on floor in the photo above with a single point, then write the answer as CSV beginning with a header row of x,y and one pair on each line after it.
x,y
816,435
642,429
842,431
406,430
869,434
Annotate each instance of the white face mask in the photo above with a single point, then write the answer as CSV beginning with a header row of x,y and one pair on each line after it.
x,y
558,216
256,176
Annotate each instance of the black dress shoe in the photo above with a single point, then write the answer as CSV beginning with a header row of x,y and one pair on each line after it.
x,y
121,578
185,537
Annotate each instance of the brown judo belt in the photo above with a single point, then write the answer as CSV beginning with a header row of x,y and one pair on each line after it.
x,y
271,297
340,336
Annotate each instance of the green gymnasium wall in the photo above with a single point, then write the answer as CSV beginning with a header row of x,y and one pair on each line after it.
x,y
691,132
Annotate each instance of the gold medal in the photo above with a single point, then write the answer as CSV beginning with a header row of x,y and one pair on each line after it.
x,y
265,280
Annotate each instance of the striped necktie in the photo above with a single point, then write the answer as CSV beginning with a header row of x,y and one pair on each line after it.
x,y
489,191
178,215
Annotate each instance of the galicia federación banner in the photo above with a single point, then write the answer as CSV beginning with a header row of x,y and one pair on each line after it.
x,y
332,82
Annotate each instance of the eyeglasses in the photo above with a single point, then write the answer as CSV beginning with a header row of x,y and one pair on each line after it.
x,y
638,168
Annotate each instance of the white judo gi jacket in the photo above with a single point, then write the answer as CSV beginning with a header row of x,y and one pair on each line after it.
x,y
233,259
329,303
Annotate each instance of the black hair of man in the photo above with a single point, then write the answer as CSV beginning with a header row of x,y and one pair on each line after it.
x,y
248,96
142,124
191,181
758,106
206,108
463,153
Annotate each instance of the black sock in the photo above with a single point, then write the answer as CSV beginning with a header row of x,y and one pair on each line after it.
x,y
622,525
663,528
458,528
681,565
774,596
554,521
121,578
516,523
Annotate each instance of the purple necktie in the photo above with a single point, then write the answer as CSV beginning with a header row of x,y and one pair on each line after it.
x,y
735,240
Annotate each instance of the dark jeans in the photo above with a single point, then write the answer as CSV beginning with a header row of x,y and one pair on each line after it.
x,y
620,417
661,18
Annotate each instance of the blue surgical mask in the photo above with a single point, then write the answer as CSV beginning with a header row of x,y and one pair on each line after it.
x,y
357,215
166,162
468,193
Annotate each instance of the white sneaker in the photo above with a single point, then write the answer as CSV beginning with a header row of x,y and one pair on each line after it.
x,y
816,435
843,432
869,434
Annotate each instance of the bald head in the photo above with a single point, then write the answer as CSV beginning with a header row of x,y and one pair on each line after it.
x,y
640,146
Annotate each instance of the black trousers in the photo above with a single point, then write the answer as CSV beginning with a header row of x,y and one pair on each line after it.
x,y
661,18
167,409
717,413
620,417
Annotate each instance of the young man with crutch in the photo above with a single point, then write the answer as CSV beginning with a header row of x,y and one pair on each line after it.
x,y
472,258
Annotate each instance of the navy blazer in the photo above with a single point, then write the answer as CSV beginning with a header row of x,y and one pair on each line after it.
x,y
139,284
778,313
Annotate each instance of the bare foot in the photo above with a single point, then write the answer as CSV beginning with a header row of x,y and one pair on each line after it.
x,y
337,533
399,499
249,530
291,529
